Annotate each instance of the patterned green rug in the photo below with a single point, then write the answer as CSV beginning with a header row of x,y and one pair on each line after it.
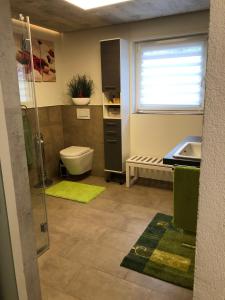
x,y
164,252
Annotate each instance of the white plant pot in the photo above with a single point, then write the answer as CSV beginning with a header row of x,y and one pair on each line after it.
x,y
81,101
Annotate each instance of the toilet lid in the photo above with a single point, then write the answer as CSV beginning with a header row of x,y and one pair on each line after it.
x,y
74,151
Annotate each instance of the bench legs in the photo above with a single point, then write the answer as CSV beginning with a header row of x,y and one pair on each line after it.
x,y
129,180
127,175
136,173
154,164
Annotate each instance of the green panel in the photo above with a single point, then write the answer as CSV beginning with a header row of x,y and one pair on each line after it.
x,y
8,287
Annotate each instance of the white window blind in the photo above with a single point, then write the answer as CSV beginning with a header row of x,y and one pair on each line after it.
x,y
170,74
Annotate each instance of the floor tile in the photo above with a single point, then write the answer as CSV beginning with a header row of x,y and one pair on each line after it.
x,y
135,225
134,211
119,240
49,293
159,286
104,204
57,271
163,296
89,241
61,242
92,284
101,257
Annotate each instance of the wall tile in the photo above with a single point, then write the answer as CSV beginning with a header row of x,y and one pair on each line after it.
x,y
51,127
61,128
43,116
55,115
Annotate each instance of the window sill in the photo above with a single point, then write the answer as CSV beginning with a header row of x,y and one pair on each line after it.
x,y
170,112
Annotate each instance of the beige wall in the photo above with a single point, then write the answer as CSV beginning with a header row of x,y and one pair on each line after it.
x,y
81,50
150,134
210,252
158,134
80,53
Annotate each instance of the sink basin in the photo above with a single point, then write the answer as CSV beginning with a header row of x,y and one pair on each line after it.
x,y
190,150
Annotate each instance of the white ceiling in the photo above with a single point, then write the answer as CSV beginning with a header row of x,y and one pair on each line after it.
x,y
63,16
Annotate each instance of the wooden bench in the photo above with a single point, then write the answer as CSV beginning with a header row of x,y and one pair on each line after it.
x,y
143,162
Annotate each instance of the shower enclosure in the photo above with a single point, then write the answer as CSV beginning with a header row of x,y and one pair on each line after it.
x,y
32,135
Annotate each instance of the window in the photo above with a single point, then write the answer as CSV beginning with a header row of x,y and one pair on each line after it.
x,y
23,85
170,74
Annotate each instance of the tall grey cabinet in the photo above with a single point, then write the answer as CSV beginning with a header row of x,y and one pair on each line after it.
x,y
115,89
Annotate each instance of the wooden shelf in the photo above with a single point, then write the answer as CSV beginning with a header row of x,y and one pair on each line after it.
x,y
111,104
113,118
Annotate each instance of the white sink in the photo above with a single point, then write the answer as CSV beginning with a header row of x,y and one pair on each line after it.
x,y
190,150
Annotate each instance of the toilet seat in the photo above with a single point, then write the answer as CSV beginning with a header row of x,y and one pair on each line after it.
x,y
74,151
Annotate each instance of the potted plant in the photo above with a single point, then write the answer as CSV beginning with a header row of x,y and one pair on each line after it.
x,y
80,89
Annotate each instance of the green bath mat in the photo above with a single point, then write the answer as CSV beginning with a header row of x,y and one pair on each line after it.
x,y
162,252
74,191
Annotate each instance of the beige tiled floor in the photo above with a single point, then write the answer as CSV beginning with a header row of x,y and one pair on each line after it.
x,y
89,241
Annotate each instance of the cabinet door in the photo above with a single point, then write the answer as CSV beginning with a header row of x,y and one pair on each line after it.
x,y
112,129
112,145
110,64
113,154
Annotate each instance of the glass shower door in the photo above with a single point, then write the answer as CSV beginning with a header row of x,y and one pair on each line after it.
x,y
32,136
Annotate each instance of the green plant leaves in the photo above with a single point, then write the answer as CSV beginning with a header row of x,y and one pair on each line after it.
x,y
80,86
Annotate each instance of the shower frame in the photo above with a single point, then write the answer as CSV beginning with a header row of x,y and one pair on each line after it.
x,y
43,226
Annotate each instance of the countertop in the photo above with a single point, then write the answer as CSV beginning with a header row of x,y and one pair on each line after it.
x,y
170,160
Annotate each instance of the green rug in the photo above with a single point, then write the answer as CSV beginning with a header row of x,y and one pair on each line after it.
x,y
74,191
160,252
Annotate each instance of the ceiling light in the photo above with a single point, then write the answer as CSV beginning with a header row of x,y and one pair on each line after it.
x,y
89,4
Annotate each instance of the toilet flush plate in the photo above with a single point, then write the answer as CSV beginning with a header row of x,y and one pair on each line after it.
x,y
83,113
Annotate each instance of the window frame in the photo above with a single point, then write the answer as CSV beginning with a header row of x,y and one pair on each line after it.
x,y
163,109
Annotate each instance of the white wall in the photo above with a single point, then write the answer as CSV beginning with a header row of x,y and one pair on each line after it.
x,y
210,252
48,93
150,134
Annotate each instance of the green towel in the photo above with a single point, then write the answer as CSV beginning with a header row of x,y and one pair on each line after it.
x,y
28,140
186,186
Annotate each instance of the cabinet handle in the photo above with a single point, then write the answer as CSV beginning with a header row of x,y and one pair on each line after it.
x,y
112,141
110,132
111,124
110,87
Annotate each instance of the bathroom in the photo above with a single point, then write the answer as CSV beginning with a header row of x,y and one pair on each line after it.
x,y
81,250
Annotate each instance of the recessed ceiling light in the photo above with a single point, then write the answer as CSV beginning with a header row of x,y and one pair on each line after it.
x,y
89,4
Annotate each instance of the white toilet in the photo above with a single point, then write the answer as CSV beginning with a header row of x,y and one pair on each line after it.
x,y
77,160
